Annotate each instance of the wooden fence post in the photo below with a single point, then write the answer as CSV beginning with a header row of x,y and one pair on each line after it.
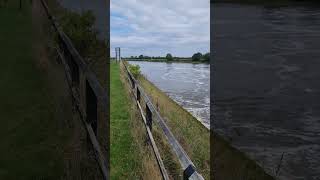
x,y
138,94
91,108
149,116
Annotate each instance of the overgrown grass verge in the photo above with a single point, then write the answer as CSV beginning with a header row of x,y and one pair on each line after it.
x,y
131,156
192,135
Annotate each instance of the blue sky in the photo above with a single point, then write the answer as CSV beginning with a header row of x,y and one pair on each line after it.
x,y
157,27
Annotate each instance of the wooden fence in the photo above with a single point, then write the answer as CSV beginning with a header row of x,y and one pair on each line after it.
x,y
89,98
189,170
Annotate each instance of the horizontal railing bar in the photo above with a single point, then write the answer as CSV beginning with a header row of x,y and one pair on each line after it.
x,y
97,150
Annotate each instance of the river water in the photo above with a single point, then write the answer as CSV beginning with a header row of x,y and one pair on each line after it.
x,y
186,83
267,85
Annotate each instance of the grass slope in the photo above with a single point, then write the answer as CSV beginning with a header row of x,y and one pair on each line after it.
x,y
191,134
30,138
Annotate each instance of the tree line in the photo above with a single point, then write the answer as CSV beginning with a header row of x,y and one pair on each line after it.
x,y
197,57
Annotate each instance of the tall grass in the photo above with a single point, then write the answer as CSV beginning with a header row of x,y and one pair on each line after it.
x,y
192,135
131,155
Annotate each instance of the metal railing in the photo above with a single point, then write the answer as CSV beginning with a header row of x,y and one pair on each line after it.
x,y
189,170
88,96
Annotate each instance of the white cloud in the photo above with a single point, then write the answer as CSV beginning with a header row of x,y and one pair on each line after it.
x,y
155,27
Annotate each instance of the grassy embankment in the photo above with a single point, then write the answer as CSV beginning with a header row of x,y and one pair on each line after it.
x,y
131,157
33,108
191,134
230,163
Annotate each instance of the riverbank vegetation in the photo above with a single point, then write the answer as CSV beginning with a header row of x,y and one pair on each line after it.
x,y
192,135
196,58
135,70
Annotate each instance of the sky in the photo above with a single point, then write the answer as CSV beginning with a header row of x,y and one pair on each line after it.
x,y
158,27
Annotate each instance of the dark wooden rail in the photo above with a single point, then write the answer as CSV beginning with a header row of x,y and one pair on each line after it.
x,y
189,170
89,98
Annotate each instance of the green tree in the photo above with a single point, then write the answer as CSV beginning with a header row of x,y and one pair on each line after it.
x,y
197,56
141,56
206,57
81,31
169,57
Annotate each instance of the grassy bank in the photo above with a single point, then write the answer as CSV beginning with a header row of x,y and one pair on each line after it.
x,y
230,163
131,157
32,134
191,134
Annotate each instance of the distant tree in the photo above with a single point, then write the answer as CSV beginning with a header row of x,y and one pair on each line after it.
x,y
197,56
206,57
169,57
141,56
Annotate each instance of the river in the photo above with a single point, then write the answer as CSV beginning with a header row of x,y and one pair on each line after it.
x,y
186,83
267,88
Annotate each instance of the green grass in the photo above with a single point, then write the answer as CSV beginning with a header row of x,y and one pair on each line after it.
x,y
30,139
124,158
192,135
